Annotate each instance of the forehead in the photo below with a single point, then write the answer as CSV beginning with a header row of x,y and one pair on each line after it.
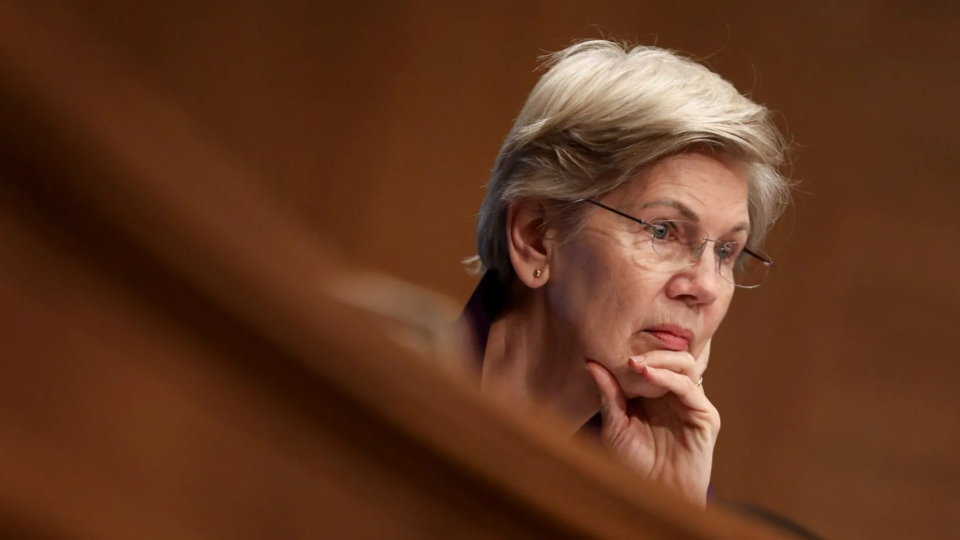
x,y
712,186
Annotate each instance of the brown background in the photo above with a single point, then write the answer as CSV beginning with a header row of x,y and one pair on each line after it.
x,y
379,121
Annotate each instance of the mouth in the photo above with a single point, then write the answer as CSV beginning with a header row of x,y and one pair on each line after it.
x,y
673,337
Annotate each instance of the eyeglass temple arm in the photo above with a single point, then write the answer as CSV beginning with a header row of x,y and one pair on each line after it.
x,y
765,260
614,210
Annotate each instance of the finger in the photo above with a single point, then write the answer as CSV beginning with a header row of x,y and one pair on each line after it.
x,y
613,404
676,361
689,393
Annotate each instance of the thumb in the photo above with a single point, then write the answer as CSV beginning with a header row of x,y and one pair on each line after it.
x,y
613,404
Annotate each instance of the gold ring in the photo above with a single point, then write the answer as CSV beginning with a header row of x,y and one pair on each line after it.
x,y
700,383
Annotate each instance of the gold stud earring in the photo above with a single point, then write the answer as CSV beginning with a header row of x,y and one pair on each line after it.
x,y
537,273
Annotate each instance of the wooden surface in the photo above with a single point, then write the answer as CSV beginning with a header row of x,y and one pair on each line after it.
x,y
835,380
375,124
174,365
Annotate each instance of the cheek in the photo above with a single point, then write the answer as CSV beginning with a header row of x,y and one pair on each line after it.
x,y
580,286
714,316
606,297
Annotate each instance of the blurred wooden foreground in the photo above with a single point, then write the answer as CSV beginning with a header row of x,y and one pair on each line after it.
x,y
174,365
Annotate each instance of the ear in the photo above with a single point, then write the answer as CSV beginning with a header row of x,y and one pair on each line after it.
x,y
529,238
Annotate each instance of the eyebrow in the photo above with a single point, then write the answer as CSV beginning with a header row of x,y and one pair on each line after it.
x,y
690,215
684,210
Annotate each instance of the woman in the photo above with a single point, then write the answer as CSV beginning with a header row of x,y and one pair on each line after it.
x,y
626,207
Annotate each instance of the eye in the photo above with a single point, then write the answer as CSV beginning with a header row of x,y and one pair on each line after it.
x,y
669,230
728,252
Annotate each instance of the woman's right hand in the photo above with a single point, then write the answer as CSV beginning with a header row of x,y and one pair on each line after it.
x,y
669,431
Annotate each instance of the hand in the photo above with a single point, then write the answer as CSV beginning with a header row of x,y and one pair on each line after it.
x,y
669,436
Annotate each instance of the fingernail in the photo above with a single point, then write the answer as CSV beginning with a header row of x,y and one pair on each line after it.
x,y
639,359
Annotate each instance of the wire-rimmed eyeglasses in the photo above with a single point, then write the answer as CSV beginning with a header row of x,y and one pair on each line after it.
x,y
683,243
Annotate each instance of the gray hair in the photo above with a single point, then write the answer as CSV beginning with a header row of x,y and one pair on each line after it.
x,y
601,113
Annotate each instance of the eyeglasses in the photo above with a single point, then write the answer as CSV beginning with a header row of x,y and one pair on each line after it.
x,y
683,243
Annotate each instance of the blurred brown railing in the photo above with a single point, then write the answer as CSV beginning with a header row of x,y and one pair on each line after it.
x,y
175,366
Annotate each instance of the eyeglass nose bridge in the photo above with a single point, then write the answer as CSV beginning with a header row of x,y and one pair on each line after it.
x,y
697,252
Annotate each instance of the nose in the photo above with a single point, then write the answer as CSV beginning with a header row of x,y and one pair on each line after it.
x,y
699,283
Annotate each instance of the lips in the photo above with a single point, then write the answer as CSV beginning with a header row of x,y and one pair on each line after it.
x,y
673,337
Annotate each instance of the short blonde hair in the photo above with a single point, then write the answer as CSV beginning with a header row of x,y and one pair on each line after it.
x,y
602,112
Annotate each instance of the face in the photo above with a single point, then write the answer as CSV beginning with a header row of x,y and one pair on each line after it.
x,y
615,297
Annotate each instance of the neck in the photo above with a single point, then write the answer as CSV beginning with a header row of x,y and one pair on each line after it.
x,y
528,356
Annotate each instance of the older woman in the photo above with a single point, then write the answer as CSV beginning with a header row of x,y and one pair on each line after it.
x,y
626,207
